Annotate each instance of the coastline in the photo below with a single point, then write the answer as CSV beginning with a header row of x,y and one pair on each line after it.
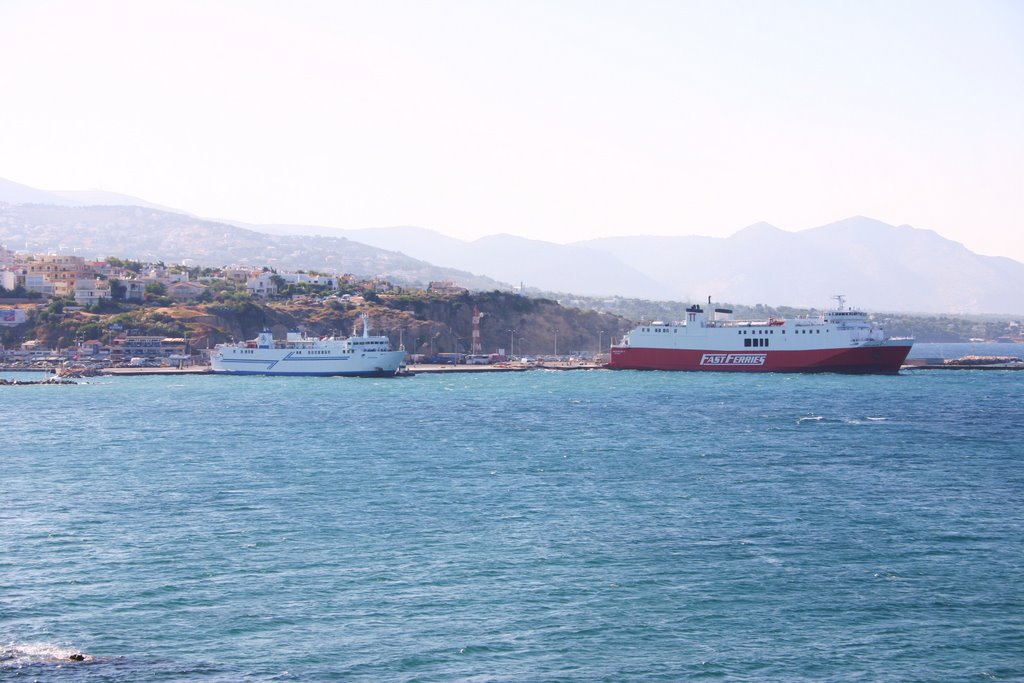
x,y
463,369
411,369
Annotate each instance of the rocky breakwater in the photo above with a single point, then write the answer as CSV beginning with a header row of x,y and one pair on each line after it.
x,y
24,383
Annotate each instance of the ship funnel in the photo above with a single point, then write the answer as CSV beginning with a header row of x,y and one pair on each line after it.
x,y
695,316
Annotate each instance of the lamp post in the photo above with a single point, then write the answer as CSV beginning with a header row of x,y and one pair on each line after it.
x,y
600,334
511,343
556,343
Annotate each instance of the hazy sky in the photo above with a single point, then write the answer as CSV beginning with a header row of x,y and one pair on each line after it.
x,y
556,120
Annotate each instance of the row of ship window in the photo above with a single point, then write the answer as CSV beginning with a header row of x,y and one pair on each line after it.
x,y
305,353
763,341
783,331
656,329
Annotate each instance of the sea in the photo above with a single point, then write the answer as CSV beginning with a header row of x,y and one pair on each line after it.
x,y
536,526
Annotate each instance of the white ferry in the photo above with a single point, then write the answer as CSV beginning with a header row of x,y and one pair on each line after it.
x,y
839,340
363,356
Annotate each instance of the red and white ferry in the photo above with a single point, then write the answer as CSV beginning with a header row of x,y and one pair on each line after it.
x,y
839,340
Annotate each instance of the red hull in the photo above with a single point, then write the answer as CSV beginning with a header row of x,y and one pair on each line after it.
x,y
875,359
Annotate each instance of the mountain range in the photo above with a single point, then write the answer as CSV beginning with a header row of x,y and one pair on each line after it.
x,y
876,265
97,225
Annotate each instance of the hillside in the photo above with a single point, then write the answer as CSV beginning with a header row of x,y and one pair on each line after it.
x,y
537,264
879,267
421,322
153,235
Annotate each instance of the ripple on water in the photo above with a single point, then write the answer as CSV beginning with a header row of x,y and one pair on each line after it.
x,y
539,526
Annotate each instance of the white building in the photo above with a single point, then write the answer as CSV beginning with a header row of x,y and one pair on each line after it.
x,y
90,292
261,285
183,291
135,290
307,279
41,284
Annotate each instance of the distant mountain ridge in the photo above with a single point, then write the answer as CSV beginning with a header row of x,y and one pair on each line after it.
x,y
16,193
508,258
877,266
151,235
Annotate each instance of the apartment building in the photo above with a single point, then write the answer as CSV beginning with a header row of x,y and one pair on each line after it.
x,y
53,275
91,291
262,285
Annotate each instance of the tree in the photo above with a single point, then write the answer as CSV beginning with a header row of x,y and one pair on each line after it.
x,y
117,290
91,331
19,292
135,266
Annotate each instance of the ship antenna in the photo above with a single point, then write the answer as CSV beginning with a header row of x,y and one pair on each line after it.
x,y
840,300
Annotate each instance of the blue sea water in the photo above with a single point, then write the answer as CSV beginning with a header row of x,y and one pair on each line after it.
x,y
540,526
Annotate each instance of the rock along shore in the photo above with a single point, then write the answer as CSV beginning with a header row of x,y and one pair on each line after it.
x,y
23,383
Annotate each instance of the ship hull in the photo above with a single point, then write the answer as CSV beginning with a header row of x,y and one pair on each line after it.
x,y
269,362
877,358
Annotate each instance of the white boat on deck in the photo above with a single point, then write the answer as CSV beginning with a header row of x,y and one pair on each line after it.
x,y
356,356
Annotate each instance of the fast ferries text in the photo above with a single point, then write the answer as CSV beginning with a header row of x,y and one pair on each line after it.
x,y
733,359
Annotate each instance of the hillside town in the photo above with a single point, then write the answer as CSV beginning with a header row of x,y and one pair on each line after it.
x,y
32,282
91,282
59,311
